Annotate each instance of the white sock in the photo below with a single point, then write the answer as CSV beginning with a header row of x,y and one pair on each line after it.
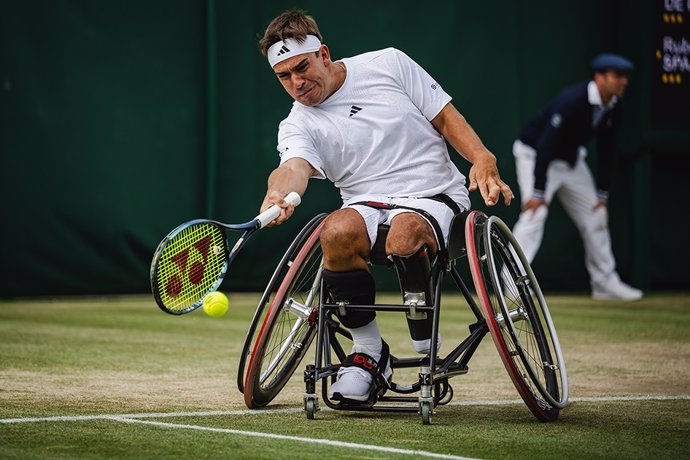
x,y
423,347
367,339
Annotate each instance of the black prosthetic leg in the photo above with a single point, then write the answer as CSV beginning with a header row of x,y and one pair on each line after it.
x,y
414,273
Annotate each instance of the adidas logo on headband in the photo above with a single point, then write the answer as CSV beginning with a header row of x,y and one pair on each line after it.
x,y
285,49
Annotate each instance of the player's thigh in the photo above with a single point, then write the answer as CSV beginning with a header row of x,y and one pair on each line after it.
x,y
408,232
344,232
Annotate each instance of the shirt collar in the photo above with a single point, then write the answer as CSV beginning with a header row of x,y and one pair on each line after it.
x,y
594,97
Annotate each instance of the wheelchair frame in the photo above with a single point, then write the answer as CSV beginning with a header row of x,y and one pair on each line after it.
x,y
512,309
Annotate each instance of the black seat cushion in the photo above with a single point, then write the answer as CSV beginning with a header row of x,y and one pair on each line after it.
x,y
378,252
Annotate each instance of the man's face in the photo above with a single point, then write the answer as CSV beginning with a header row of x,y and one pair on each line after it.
x,y
305,77
613,83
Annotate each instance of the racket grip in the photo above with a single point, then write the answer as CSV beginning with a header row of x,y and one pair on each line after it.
x,y
271,213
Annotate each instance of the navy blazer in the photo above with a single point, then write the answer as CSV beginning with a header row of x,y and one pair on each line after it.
x,y
566,124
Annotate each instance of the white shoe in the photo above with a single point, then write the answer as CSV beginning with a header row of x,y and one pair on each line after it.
x,y
356,383
615,289
353,383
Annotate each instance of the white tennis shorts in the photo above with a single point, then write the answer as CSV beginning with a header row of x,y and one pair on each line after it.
x,y
374,217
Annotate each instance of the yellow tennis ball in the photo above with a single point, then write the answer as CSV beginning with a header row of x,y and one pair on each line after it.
x,y
215,304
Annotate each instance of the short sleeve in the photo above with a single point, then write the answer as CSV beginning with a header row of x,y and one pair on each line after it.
x,y
293,142
424,92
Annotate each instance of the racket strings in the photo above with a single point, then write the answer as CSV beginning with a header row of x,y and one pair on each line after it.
x,y
191,264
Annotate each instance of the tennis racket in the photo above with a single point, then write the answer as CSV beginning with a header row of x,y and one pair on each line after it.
x,y
192,260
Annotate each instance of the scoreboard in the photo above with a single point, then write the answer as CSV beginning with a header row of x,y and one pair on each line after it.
x,y
670,98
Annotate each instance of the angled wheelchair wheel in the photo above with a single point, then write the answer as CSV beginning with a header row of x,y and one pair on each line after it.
x,y
269,294
288,325
517,316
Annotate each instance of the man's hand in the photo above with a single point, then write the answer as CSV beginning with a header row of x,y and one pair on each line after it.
x,y
292,175
484,176
275,197
533,204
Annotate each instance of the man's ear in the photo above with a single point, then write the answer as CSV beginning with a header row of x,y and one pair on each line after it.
x,y
325,54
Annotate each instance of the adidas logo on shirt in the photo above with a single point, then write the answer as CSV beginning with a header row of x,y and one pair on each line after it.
x,y
354,110
283,49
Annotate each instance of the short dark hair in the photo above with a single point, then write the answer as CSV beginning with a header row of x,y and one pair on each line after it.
x,y
292,23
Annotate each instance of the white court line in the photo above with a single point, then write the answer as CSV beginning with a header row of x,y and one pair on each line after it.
x,y
633,398
76,418
505,402
487,402
135,418
328,442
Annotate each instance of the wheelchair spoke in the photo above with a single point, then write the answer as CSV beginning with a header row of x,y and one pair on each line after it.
x,y
522,326
287,345
307,289
289,324
315,286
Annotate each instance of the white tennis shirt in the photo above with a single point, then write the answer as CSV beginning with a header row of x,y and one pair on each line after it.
x,y
373,136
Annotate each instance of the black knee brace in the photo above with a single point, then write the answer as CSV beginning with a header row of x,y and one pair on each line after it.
x,y
414,273
354,287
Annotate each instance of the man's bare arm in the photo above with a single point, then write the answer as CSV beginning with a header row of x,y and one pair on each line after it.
x,y
291,176
483,173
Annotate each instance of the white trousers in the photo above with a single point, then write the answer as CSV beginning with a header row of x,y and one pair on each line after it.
x,y
575,187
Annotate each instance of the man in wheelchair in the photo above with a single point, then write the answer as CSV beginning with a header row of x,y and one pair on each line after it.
x,y
375,125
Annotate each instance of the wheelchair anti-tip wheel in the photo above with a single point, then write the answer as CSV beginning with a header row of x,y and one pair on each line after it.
x,y
288,325
426,410
517,316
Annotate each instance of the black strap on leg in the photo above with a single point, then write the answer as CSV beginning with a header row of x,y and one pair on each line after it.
x,y
356,287
448,201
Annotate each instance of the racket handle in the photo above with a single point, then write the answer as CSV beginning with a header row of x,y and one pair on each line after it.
x,y
271,213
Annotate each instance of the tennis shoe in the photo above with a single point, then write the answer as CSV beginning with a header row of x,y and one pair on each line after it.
x,y
615,289
356,378
353,383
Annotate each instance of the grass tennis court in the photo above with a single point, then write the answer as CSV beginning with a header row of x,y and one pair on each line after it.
x,y
117,378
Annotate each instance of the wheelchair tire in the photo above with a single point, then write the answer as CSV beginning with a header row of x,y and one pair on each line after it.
x,y
269,293
289,325
517,316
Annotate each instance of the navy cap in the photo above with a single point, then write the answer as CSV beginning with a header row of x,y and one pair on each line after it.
x,y
609,61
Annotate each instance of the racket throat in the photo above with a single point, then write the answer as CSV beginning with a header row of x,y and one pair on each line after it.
x,y
237,245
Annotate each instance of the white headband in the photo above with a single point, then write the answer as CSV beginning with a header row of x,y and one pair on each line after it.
x,y
285,49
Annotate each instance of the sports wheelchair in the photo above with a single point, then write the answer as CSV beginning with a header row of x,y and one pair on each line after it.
x,y
296,308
